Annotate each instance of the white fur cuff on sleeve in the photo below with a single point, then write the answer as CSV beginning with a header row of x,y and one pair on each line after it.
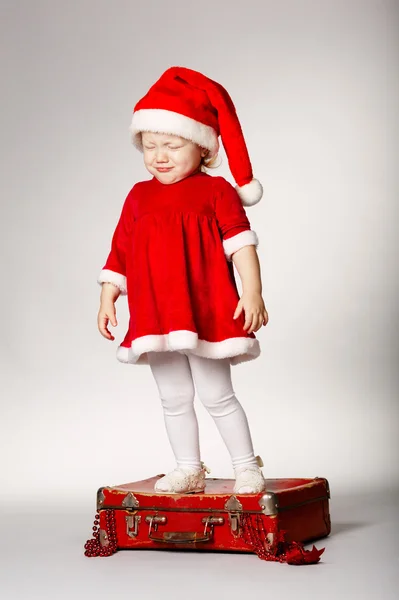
x,y
107,276
244,238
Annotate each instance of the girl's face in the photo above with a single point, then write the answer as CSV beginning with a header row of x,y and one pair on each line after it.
x,y
170,158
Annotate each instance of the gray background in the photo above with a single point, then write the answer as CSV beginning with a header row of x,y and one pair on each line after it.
x,y
316,90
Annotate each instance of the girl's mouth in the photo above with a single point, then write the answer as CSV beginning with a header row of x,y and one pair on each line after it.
x,y
163,169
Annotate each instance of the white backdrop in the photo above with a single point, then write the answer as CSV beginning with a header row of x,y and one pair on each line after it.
x,y
315,87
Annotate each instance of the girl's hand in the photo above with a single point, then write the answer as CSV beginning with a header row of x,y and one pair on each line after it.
x,y
254,310
105,314
109,295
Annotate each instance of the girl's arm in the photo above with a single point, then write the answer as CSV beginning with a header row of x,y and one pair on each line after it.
x,y
114,270
251,302
112,277
240,243
247,263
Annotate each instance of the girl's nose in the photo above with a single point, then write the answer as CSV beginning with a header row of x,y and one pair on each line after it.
x,y
161,156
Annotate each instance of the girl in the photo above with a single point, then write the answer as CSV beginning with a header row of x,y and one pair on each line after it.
x,y
172,254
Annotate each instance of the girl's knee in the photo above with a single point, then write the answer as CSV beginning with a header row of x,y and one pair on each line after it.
x,y
220,405
177,401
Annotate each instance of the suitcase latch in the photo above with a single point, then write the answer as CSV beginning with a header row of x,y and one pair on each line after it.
x,y
132,525
234,508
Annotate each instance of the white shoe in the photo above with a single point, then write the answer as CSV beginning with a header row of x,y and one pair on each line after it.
x,y
249,478
183,480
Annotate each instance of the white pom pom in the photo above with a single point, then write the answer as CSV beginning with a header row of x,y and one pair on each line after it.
x,y
250,193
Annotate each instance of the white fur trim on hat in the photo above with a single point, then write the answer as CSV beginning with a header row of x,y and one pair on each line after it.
x,y
250,193
166,121
244,238
107,276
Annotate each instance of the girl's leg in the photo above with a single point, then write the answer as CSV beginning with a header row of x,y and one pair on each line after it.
x,y
172,374
212,378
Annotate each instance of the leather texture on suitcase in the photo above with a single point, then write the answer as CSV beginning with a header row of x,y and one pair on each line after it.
x,y
274,524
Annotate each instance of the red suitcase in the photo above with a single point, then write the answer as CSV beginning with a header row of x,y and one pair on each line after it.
x,y
273,524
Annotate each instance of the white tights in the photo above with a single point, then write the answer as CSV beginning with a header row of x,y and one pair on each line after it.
x,y
177,375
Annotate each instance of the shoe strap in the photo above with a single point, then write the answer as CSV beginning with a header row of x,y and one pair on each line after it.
x,y
203,466
259,461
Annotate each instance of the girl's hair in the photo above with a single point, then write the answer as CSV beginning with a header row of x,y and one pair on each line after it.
x,y
208,163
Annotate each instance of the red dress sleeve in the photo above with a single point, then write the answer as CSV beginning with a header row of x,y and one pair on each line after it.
x,y
114,270
232,219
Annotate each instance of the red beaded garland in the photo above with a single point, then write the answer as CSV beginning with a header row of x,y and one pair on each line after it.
x,y
93,547
255,536
293,553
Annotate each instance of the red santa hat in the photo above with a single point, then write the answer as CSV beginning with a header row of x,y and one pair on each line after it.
x,y
186,103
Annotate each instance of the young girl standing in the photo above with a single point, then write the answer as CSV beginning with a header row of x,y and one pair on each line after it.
x,y
172,254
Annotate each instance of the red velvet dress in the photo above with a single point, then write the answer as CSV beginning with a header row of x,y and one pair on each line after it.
x,y
171,255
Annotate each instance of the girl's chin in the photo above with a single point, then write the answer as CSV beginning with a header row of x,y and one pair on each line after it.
x,y
169,176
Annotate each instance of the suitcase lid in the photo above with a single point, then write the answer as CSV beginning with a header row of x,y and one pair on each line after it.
x,y
280,494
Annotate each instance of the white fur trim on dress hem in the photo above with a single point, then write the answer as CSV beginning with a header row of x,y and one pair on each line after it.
x,y
238,349
167,121
107,276
244,238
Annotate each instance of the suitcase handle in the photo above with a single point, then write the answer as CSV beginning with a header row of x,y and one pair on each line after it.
x,y
182,537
